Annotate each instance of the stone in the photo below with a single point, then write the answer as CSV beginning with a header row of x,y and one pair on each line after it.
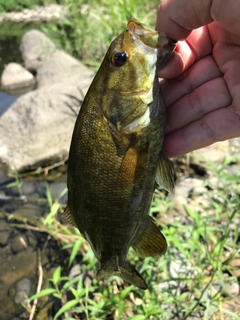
x,y
18,271
36,130
35,48
23,289
4,236
59,67
216,152
234,146
56,189
29,187
39,13
13,191
231,289
74,271
18,244
15,76
184,189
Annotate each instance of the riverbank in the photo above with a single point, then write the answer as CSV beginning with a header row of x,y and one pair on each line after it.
x,y
39,13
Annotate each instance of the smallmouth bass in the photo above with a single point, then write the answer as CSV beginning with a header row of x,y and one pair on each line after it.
x,y
116,155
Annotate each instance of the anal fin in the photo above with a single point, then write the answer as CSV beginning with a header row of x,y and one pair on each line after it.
x,y
165,175
152,242
68,217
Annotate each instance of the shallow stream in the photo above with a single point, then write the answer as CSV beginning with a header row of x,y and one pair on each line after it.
x,y
20,202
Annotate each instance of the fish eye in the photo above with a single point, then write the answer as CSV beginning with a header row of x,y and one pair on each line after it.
x,y
119,58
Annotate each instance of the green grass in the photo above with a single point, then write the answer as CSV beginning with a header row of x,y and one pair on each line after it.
x,y
18,5
188,281
92,25
191,277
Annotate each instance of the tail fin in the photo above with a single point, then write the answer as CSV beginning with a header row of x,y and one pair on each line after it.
x,y
127,272
132,276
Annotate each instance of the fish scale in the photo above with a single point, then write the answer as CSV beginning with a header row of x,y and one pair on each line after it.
x,y
116,154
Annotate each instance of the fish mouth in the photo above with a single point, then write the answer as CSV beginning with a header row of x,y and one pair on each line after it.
x,y
140,31
151,41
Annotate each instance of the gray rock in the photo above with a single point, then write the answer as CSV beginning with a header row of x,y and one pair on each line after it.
x,y
35,48
29,187
37,129
234,146
60,67
56,189
38,13
74,271
23,288
215,153
4,236
15,76
185,188
18,244
231,289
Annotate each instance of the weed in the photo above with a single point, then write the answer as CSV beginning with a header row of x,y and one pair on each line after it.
x,y
188,281
98,22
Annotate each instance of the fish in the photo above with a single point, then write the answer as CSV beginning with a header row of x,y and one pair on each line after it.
x,y
116,156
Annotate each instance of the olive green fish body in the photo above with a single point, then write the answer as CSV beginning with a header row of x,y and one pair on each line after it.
x,y
115,152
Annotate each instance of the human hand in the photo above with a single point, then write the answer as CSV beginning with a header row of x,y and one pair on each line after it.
x,y
202,78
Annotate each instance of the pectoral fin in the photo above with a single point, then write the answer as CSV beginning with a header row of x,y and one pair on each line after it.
x,y
165,175
152,242
128,167
68,216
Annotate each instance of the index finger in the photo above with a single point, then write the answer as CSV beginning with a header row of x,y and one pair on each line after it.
x,y
177,18
197,45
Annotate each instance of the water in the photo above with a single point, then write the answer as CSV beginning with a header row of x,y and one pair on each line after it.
x,y
10,38
19,246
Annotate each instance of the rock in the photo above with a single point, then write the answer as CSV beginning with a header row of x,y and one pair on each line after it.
x,y
29,187
57,189
13,191
27,209
186,187
74,271
59,67
215,153
19,271
231,289
35,48
23,289
179,268
39,13
230,309
234,146
18,244
15,76
37,129
4,236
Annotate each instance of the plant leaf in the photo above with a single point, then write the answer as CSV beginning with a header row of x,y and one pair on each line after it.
x,y
42,293
66,307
